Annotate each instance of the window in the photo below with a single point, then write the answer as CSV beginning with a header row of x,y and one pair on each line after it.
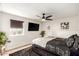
x,y
16,27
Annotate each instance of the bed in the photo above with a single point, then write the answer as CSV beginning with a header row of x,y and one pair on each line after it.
x,y
49,46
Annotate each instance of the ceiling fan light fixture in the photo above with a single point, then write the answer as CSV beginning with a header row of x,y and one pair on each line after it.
x,y
43,20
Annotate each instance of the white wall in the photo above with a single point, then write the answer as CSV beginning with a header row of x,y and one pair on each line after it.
x,y
0,6
55,29
17,40
0,21
0,17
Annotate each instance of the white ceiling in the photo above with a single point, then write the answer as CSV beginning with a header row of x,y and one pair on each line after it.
x,y
30,10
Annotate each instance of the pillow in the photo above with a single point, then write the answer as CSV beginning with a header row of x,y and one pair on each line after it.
x,y
70,41
75,46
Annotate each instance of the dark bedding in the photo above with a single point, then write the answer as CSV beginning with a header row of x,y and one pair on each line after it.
x,y
53,47
58,46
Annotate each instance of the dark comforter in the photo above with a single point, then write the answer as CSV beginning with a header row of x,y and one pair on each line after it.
x,y
58,46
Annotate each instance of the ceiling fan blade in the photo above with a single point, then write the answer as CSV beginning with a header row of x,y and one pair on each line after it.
x,y
48,19
48,16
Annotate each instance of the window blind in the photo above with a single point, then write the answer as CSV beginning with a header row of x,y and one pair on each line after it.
x,y
16,24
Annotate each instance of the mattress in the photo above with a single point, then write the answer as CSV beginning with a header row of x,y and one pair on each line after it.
x,y
42,41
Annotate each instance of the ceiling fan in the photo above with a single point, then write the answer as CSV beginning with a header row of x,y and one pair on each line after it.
x,y
44,17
